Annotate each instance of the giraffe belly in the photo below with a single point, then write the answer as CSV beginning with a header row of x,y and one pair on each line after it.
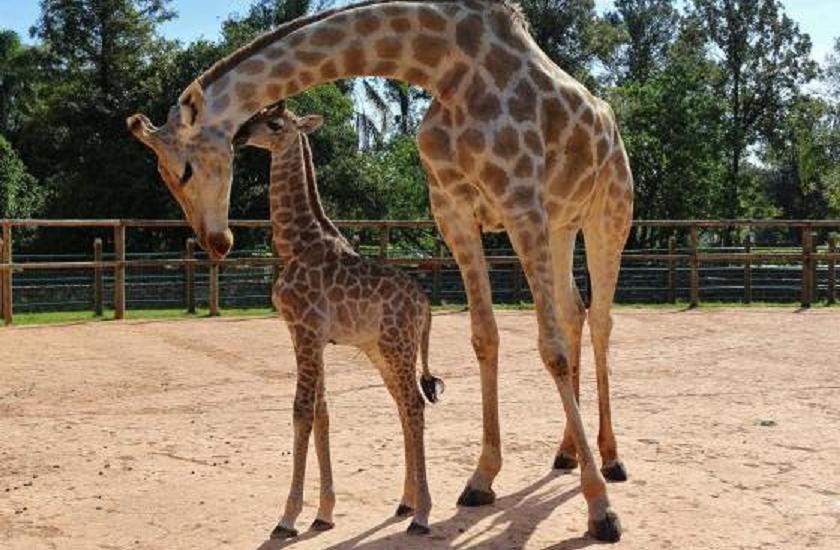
x,y
354,323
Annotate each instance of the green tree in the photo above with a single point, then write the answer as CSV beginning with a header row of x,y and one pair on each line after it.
x,y
805,157
672,125
765,59
20,195
648,29
571,33
20,80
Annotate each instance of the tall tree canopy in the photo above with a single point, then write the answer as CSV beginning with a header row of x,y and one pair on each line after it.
x,y
765,61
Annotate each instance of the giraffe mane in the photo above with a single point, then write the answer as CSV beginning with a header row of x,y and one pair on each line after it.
x,y
231,61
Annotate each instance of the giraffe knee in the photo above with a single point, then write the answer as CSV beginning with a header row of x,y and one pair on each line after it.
x,y
556,362
303,411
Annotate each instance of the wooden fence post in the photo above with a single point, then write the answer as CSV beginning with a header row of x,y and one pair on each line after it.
x,y
694,275
6,276
807,273
213,298
436,275
119,271
189,277
832,272
748,269
672,270
384,241
98,285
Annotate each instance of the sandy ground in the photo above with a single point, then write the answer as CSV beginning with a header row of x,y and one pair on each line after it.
x,y
176,435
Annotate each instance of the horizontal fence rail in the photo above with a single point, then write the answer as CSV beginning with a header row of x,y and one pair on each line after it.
x,y
684,268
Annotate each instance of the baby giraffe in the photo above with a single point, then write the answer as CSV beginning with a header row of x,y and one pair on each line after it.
x,y
329,294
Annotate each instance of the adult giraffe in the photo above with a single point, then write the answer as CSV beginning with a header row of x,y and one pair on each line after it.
x,y
511,142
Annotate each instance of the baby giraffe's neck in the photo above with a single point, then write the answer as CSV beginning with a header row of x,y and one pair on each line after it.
x,y
297,216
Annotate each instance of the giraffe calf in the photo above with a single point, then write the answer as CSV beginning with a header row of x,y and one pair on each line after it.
x,y
327,294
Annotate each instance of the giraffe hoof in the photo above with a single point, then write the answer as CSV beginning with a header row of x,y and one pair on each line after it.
x,y
321,525
563,462
607,529
282,533
472,498
404,511
614,472
417,529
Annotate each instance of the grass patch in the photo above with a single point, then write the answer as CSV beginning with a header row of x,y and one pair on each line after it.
x,y
63,317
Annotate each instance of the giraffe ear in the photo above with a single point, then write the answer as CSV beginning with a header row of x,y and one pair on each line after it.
x,y
310,123
142,128
191,103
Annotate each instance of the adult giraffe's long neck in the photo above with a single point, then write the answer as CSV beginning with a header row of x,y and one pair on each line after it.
x,y
423,43
297,216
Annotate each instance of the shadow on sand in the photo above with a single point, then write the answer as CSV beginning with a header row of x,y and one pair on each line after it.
x,y
515,517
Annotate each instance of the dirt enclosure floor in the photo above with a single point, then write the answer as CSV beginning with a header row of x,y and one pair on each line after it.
x,y
177,435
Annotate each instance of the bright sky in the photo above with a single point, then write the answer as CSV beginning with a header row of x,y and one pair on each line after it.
x,y
202,18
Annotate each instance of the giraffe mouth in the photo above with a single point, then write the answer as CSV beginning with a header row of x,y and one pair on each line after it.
x,y
218,244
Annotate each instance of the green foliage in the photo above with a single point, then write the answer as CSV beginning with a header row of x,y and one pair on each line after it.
x,y
648,28
672,125
765,61
20,195
570,32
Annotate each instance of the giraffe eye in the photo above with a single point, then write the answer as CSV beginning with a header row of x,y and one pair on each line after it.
x,y
188,172
274,126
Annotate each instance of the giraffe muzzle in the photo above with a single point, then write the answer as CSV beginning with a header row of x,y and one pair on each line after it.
x,y
219,244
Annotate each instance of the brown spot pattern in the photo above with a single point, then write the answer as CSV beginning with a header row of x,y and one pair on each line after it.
x,y
326,36
389,47
435,144
482,104
507,143
554,119
534,143
522,106
501,65
495,178
430,50
367,24
450,82
429,19
401,25
354,59
524,167
468,35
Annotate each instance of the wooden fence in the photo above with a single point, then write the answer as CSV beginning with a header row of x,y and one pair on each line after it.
x,y
808,256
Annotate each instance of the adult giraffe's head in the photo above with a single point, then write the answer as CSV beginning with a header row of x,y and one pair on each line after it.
x,y
195,161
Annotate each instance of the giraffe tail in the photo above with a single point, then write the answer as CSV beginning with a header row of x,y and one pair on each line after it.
x,y
432,386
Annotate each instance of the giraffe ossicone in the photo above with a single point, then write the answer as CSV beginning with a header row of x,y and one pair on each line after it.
x,y
328,293
511,142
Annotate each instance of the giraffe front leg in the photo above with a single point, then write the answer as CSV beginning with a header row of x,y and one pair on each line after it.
x,y
528,230
463,236
309,355
324,519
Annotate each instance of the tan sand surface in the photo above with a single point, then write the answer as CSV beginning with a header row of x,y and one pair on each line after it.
x,y
177,435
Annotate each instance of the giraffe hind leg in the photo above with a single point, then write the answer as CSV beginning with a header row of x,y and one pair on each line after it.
x,y
571,314
604,245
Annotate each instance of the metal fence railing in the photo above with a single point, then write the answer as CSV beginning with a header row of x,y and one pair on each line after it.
x,y
720,260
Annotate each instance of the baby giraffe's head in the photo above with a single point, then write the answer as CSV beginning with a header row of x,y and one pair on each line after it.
x,y
275,128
